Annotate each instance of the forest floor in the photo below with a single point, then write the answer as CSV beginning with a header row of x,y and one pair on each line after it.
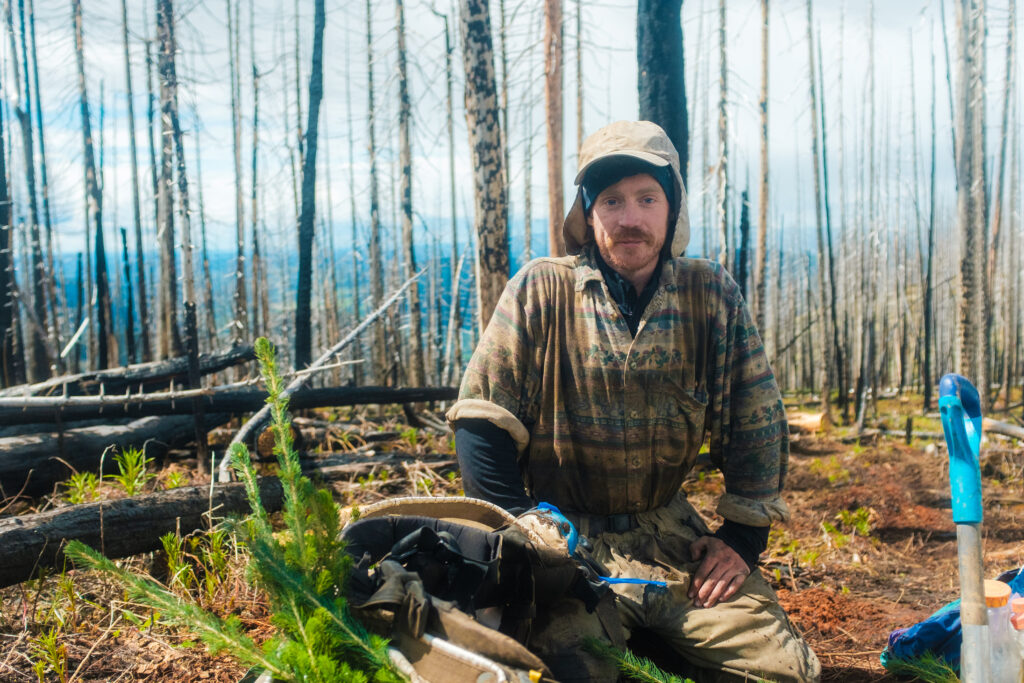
x,y
870,547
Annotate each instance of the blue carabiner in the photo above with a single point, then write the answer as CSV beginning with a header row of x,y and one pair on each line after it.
x,y
960,410
573,538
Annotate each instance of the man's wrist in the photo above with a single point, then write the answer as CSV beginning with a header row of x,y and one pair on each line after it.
x,y
747,541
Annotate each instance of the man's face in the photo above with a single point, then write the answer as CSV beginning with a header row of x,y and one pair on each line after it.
x,y
630,221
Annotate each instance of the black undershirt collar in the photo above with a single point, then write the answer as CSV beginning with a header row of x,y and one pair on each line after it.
x,y
631,304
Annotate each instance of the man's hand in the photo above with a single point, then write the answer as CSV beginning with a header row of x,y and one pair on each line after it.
x,y
720,574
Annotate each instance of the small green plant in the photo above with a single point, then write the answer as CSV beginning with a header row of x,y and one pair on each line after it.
x,y
831,469
928,667
809,557
858,521
81,488
49,654
834,535
411,436
631,667
303,572
179,571
132,475
175,480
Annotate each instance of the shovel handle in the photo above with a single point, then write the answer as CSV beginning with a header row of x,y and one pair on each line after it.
x,y
960,410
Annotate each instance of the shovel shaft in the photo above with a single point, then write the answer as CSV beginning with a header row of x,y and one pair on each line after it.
x,y
976,660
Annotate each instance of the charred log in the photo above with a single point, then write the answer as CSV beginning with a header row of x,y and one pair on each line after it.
x,y
116,380
31,464
119,528
233,399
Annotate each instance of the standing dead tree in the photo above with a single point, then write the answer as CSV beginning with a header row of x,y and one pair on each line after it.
x,y
376,266
170,335
38,357
303,338
94,202
661,73
971,183
12,370
140,267
241,322
52,269
823,295
761,260
723,141
490,214
416,375
553,34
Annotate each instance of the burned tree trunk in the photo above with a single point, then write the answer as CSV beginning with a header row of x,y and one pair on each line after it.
x,y
140,267
761,260
303,339
723,142
661,72
376,267
170,335
971,193
416,372
119,528
52,270
490,210
31,464
552,106
94,200
241,322
11,362
38,360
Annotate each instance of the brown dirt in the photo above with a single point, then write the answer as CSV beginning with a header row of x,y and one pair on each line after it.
x,y
870,547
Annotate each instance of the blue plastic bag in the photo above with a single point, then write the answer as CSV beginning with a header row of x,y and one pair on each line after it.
x,y
939,634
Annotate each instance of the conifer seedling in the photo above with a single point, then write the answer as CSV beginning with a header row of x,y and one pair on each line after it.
x,y
302,571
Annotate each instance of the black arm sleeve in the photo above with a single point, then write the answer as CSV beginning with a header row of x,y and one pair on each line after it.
x,y
748,541
488,460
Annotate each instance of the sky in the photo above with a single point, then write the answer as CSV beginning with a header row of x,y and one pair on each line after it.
x,y
902,29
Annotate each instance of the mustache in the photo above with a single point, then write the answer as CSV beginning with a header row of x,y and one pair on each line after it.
x,y
631,235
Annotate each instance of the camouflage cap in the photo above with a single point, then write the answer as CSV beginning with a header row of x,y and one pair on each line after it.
x,y
639,140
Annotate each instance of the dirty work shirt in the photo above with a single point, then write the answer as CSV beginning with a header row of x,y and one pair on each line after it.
x,y
607,423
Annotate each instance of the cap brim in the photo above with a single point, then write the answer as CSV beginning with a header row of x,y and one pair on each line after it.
x,y
650,158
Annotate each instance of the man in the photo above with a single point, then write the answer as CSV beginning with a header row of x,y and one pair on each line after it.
x,y
592,388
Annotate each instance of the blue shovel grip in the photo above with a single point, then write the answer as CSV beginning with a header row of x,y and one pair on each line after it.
x,y
960,410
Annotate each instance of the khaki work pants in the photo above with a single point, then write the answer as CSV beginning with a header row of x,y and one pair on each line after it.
x,y
748,637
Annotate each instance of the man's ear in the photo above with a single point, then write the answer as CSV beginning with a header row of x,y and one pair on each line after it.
x,y
588,216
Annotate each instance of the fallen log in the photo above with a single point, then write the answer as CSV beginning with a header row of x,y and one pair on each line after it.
x,y
119,528
31,464
806,423
230,399
117,380
1004,428
255,423
130,526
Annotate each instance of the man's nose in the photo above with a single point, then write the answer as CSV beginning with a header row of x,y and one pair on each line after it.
x,y
630,215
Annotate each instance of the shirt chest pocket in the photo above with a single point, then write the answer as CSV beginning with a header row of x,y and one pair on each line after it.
x,y
677,416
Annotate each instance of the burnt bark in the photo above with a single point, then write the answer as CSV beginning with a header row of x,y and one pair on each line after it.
x,y
490,215
661,77
303,338
31,464
119,528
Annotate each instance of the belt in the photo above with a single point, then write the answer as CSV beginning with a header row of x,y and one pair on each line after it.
x,y
594,525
